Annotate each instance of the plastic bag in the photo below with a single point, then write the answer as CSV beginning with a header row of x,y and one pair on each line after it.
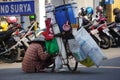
x,y
48,33
87,62
52,46
88,47
74,48
58,62
76,51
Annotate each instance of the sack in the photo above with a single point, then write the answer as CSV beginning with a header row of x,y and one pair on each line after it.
x,y
88,47
73,45
52,46
58,62
87,62
74,48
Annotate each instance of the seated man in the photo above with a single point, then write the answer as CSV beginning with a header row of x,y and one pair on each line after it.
x,y
35,59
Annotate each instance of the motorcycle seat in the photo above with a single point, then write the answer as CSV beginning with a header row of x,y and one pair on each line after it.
x,y
2,33
5,35
96,25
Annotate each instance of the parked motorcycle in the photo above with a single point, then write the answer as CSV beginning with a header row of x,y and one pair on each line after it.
x,y
8,50
24,37
115,32
106,37
100,34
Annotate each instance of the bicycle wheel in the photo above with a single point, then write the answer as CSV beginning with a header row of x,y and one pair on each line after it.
x,y
72,64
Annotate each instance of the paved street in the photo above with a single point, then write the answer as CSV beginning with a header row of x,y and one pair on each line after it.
x,y
109,70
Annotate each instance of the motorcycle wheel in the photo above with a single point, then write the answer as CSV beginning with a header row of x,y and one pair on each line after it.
x,y
96,40
119,42
14,56
106,42
19,54
116,42
72,64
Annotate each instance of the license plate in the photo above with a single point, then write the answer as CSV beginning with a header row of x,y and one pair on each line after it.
x,y
105,30
95,31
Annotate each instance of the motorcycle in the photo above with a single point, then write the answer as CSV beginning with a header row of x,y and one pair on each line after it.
x,y
9,52
115,32
106,37
23,39
100,33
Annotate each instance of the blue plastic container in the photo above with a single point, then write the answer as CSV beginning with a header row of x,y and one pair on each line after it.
x,y
64,13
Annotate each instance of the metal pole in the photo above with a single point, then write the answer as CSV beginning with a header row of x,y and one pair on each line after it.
x,y
95,4
23,19
41,13
63,2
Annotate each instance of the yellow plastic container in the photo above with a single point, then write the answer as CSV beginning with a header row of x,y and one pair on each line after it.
x,y
109,10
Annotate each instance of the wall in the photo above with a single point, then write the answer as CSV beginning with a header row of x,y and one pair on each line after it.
x,y
109,10
57,2
84,3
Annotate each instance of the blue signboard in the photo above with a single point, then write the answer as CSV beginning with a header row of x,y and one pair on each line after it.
x,y
16,8
109,1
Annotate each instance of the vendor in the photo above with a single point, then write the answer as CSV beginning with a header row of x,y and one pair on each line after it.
x,y
36,59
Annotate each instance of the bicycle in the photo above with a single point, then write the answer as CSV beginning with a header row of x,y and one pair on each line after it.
x,y
70,61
